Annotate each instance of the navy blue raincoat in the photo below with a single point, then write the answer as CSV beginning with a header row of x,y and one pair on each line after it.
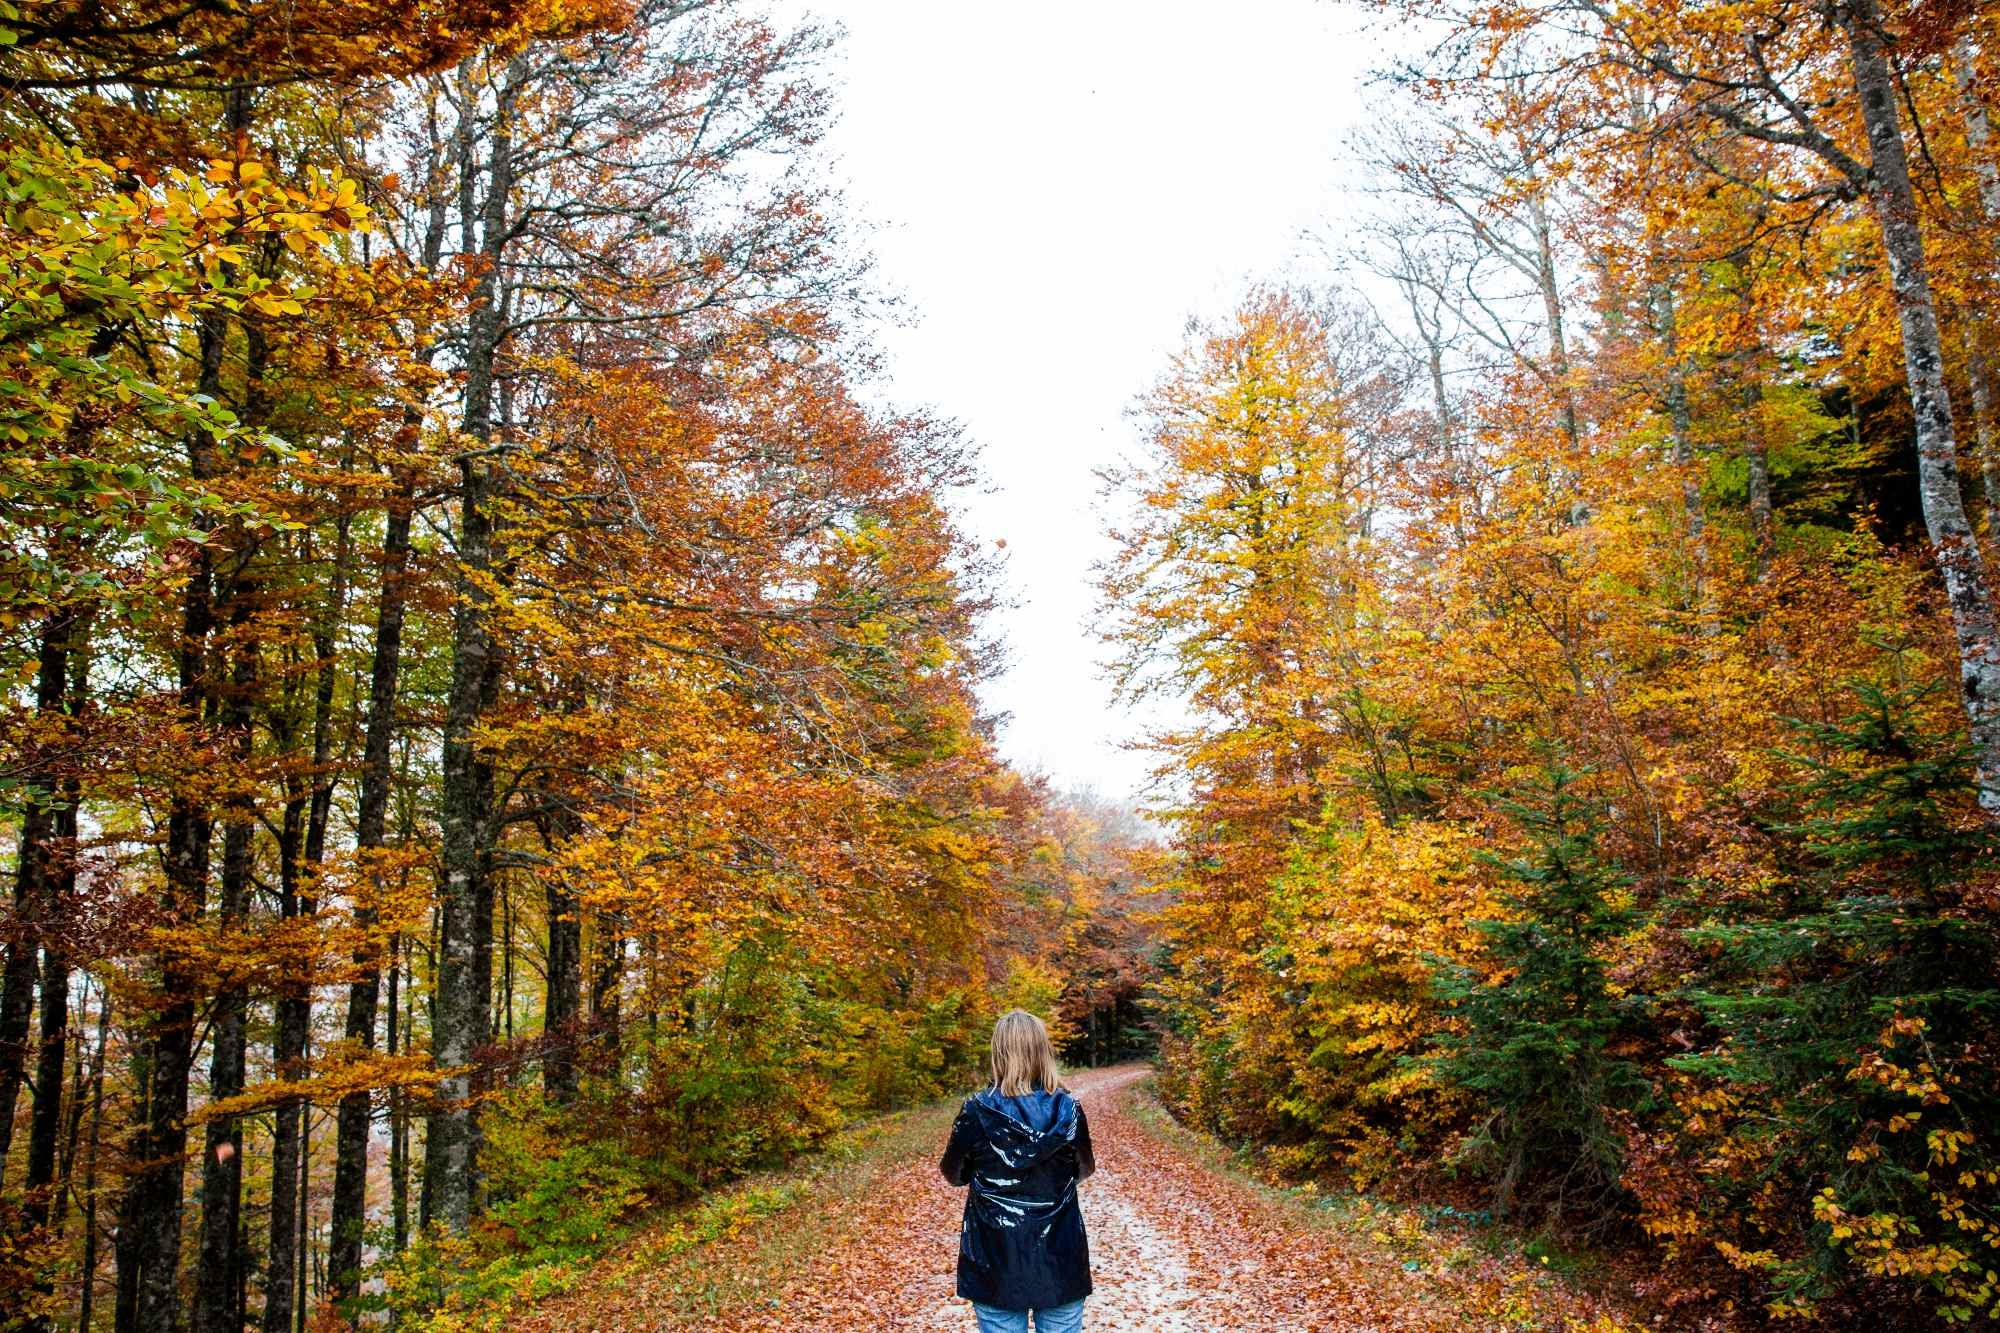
x,y
1021,1246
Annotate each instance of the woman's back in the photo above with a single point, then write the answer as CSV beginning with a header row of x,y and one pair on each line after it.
x,y
1022,1245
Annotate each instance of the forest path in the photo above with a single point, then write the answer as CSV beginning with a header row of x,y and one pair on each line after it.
x,y
1175,1248
1179,1243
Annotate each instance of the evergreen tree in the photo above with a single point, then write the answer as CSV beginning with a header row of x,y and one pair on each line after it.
x,y
1856,1002
1533,1045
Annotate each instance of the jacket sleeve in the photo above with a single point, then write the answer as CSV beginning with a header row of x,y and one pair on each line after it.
x,y
956,1166
1086,1160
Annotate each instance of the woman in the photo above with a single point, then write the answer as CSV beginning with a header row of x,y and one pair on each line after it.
x,y
1022,1144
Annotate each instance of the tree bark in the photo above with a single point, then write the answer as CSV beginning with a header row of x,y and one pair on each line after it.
x,y
350,1171
1978,128
289,1061
288,1046
38,869
1757,461
1680,433
605,983
1978,341
58,874
563,996
1549,284
89,1275
1979,379
465,815
1960,564
149,1214
217,1277
399,1140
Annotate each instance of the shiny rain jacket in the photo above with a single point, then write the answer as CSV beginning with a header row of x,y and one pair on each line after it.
x,y
1021,1246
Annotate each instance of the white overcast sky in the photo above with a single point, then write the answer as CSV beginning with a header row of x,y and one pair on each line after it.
x,y
1053,189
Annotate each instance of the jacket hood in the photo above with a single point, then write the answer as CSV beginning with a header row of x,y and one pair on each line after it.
x,y
1026,1130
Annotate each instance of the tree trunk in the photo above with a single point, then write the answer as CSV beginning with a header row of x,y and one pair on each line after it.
x,y
505,1023
1978,342
399,1140
89,1275
222,1163
38,869
220,1278
563,995
149,1215
465,815
17,988
58,880
302,1220
1979,377
1978,129
301,851
73,1108
605,982
350,1171
1960,565
1757,460
1680,431
1549,284
288,1047
289,1061
45,1123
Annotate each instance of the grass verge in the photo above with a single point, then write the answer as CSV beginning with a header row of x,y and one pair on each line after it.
x,y
737,1247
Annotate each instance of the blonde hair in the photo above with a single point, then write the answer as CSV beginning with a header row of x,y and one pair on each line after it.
x,y
1023,1058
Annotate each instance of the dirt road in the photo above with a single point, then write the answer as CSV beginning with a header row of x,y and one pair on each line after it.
x,y
1177,1245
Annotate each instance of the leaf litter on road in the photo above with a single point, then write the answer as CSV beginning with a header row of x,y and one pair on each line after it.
x,y
1178,1245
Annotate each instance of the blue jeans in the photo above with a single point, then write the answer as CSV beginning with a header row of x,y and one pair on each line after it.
x,y
1056,1319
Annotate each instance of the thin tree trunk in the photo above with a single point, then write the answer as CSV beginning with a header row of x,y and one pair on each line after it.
x,y
149,1215
289,1061
507,959
222,1162
89,1295
288,1045
1978,341
37,870
563,995
302,1221
1960,564
350,1171
301,852
1680,432
399,1144
1550,285
605,1017
58,874
1979,376
432,945
73,1106
1757,458
465,897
